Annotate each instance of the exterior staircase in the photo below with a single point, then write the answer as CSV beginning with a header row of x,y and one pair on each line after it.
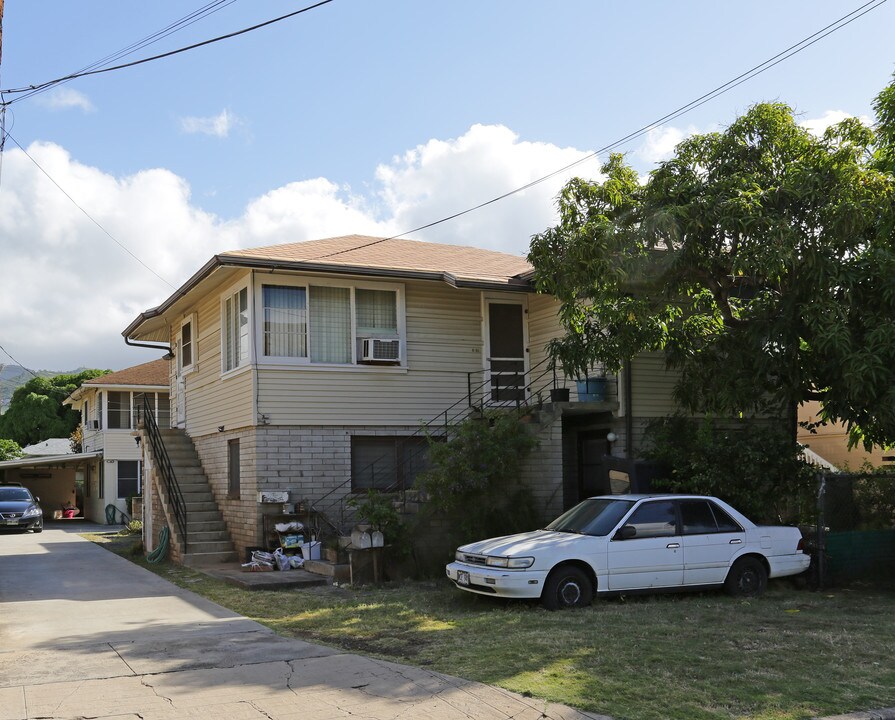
x,y
208,540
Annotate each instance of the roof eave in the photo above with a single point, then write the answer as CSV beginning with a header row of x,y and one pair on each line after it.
x,y
516,284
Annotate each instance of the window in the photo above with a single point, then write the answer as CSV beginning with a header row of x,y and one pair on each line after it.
x,y
386,463
285,321
119,411
163,414
99,411
236,330
85,414
128,478
701,517
233,481
323,323
87,489
654,519
186,345
330,324
377,313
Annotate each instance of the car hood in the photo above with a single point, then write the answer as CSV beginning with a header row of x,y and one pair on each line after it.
x,y
522,544
15,505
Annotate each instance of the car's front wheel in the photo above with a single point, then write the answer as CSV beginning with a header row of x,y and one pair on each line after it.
x,y
567,587
747,578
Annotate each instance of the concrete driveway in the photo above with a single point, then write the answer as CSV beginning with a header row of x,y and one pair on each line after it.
x,y
87,634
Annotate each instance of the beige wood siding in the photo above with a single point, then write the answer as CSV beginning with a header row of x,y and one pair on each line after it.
x,y
444,344
212,400
652,386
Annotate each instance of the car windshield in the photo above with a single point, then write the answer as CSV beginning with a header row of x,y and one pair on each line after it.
x,y
596,516
14,493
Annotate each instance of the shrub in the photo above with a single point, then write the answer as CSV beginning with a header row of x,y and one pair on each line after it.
x,y
752,464
473,481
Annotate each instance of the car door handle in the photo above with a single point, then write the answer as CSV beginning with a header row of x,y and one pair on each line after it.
x,y
736,541
673,545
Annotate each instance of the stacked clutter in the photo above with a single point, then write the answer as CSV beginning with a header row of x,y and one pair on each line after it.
x,y
291,553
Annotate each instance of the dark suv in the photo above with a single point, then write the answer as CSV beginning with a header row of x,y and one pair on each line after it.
x,y
20,509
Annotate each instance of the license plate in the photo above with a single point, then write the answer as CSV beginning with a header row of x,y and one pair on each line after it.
x,y
462,577
11,522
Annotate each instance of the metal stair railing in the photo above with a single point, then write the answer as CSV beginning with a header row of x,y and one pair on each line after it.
x,y
479,398
169,479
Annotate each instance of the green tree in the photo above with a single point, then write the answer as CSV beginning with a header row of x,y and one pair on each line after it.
x,y
9,450
760,260
36,412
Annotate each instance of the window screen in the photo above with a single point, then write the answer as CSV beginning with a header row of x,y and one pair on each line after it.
x,y
330,324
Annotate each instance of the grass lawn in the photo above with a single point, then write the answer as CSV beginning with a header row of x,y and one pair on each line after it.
x,y
793,653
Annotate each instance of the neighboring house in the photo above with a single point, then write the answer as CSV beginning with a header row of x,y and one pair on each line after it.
x,y
831,442
308,367
109,407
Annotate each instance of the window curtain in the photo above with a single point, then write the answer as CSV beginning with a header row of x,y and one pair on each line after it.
x,y
377,312
285,321
330,324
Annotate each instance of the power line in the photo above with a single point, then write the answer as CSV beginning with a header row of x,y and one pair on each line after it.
x,y
170,29
3,349
789,52
32,88
88,215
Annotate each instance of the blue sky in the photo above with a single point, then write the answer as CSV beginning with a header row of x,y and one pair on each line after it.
x,y
357,116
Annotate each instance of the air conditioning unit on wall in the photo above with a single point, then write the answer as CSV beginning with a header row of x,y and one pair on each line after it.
x,y
379,350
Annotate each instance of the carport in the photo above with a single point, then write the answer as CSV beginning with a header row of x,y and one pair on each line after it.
x,y
52,478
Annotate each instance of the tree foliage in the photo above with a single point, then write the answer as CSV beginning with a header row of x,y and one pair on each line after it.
x,y
9,450
36,412
760,260
752,465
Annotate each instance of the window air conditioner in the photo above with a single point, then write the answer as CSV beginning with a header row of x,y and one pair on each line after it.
x,y
379,350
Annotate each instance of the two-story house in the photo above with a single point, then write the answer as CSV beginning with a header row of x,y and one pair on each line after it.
x,y
109,406
308,368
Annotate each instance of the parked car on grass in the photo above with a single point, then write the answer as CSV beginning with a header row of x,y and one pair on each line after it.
x,y
624,543
20,509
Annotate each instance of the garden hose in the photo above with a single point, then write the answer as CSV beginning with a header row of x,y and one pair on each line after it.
x,y
161,551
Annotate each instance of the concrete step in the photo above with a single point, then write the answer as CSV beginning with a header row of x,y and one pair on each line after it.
x,y
201,506
213,546
202,516
340,573
203,536
196,559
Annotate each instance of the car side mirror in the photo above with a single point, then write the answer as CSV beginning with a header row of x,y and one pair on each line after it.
x,y
625,532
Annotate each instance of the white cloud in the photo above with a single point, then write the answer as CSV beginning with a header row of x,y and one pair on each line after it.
x,y
817,126
69,290
65,98
661,141
218,125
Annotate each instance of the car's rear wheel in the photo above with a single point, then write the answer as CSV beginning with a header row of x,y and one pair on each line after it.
x,y
747,578
567,587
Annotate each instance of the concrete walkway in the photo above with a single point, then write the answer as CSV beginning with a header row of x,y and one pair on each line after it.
x,y
86,634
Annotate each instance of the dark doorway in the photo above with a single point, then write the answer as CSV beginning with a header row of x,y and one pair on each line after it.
x,y
593,478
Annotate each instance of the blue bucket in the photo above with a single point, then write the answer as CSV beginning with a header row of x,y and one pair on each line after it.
x,y
592,390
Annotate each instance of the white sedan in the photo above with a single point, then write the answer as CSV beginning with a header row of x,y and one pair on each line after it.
x,y
621,543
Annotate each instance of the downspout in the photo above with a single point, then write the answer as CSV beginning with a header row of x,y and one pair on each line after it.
x,y
128,341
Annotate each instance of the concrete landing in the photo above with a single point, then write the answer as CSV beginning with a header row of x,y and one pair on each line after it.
x,y
235,574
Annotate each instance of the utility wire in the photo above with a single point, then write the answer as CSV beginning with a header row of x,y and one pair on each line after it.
x,y
674,114
72,76
170,29
3,349
89,216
